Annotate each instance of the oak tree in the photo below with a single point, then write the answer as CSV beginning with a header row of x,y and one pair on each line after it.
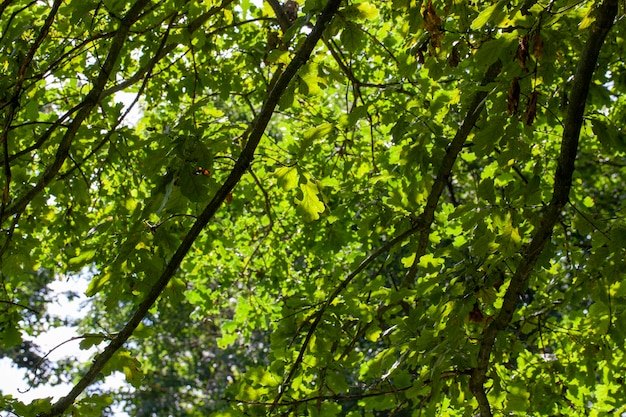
x,y
324,207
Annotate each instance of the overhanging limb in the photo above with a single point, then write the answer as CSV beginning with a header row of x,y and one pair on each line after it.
x,y
605,17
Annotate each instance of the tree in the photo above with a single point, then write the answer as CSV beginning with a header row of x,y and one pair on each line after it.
x,y
381,208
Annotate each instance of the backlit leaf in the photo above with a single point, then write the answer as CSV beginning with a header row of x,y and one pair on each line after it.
x,y
310,204
287,177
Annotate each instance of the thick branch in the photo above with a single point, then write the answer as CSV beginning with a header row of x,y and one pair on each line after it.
x,y
562,183
282,18
240,167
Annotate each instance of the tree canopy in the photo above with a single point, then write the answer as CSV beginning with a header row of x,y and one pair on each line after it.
x,y
326,207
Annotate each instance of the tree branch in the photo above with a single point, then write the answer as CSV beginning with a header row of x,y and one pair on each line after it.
x,y
282,18
88,103
605,16
32,310
333,397
428,215
240,167
420,226
15,101
320,313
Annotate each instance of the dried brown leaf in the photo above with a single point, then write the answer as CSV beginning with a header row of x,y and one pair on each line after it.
x,y
454,58
522,54
291,10
531,108
420,56
512,101
432,22
476,316
537,46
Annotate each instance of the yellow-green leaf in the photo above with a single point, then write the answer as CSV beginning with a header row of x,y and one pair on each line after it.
x,y
309,76
83,258
484,16
310,205
318,131
586,22
430,260
287,177
124,362
366,11
96,284
408,260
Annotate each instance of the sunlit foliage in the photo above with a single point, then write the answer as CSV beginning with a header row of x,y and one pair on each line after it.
x,y
322,208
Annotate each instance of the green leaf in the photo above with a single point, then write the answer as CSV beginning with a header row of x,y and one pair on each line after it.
x,y
127,364
429,260
493,13
194,187
367,11
90,341
245,8
10,336
310,80
287,177
618,235
83,258
486,190
408,260
352,37
167,240
517,400
360,11
318,131
608,135
36,407
492,50
97,283
336,382
588,202
310,205
313,133
277,56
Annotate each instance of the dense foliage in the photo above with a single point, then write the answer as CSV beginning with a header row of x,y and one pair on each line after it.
x,y
355,208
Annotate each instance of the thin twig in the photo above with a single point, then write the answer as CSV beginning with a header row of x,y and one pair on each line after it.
x,y
32,310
